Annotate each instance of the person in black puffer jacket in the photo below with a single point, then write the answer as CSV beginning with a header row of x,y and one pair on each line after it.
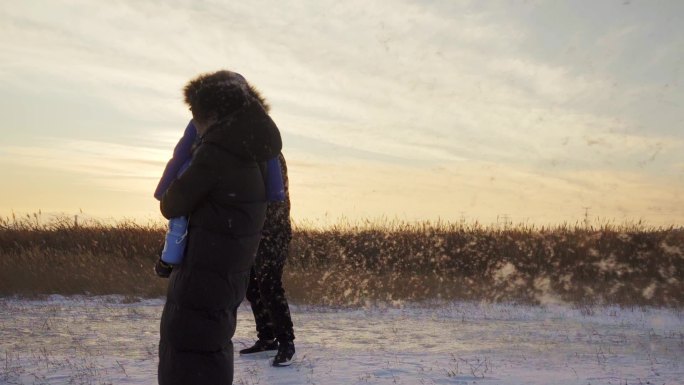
x,y
223,195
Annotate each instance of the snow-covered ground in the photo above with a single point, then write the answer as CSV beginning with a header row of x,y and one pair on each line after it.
x,y
103,340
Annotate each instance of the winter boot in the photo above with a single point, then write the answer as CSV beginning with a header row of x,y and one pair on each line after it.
x,y
261,346
285,355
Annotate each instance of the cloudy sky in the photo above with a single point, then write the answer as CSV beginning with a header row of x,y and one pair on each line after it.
x,y
536,111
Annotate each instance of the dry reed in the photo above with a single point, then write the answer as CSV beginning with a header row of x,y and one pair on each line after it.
x,y
356,264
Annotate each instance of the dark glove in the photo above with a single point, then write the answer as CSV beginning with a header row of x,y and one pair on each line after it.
x,y
162,269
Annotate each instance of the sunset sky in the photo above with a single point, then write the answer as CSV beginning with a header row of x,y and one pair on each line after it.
x,y
536,111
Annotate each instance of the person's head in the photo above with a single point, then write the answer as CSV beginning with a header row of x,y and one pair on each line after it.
x,y
215,96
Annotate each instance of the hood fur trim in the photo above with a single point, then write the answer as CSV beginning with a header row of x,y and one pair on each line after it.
x,y
220,95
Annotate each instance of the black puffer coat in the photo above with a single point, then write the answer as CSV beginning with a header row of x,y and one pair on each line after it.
x,y
223,194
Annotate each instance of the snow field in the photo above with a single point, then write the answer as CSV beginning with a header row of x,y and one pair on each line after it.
x,y
104,340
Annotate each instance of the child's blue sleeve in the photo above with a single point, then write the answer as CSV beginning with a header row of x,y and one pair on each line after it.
x,y
275,188
181,154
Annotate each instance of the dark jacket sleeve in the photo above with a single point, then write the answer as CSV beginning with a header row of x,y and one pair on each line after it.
x,y
186,192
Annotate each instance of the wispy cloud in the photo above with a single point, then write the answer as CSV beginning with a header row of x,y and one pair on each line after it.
x,y
102,163
543,91
479,191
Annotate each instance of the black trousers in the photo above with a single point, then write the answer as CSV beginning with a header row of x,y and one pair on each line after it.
x,y
266,295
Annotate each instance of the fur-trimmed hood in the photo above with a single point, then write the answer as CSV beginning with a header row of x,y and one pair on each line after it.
x,y
242,126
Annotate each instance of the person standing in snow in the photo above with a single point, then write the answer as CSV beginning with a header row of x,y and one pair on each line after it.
x,y
265,293
223,194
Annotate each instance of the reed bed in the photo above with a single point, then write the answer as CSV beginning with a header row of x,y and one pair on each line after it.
x,y
356,264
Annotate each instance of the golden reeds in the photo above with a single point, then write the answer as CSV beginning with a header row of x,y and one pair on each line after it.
x,y
360,263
